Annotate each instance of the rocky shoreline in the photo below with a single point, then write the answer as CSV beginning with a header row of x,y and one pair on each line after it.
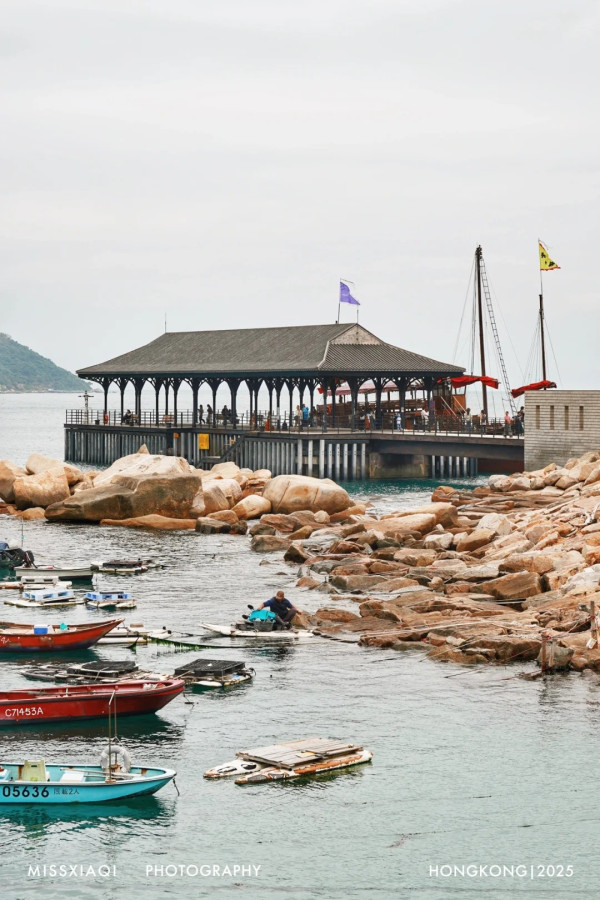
x,y
509,572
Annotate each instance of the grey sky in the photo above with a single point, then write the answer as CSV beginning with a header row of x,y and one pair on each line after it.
x,y
228,162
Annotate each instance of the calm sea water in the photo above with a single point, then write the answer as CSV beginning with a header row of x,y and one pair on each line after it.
x,y
471,767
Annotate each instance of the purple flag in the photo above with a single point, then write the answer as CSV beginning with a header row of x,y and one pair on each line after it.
x,y
346,296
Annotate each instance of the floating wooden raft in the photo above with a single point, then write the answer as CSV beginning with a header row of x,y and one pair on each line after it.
x,y
290,754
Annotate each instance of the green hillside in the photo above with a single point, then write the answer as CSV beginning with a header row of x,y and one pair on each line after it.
x,y
21,370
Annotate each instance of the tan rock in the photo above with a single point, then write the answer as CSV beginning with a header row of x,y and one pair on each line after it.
x,y
515,586
288,493
266,543
229,487
224,515
495,522
280,522
48,487
535,561
161,523
302,533
210,525
252,507
227,469
138,464
414,557
214,498
478,538
356,584
34,512
8,473
437,541
130,497
335,615
357,509
37,463
395,584
420,523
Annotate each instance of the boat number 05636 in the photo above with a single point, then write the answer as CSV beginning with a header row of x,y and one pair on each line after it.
x,y
14,791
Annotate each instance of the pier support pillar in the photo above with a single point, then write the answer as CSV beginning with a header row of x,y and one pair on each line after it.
x,y
321,459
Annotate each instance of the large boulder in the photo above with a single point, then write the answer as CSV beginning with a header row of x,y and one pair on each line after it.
x,y
516,586
8,473
214,498
267,543
127,498
50,486
288,493
228,486
252,507
37,463
139,464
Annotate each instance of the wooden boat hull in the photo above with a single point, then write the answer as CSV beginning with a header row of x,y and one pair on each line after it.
x,y
75,637
275,636
79,784
89,701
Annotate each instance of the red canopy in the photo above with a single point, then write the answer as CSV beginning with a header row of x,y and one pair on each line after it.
x,y
536,386
464,380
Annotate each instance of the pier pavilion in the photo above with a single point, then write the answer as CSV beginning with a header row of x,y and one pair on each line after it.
x,y
312,365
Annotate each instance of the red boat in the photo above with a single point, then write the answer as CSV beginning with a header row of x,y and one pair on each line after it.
x,y
87,701
34,638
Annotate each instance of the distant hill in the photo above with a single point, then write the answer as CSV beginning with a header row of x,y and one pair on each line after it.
x,y
22,370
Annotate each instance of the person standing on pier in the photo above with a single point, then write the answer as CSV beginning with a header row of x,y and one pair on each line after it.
x,y
507,424
200,415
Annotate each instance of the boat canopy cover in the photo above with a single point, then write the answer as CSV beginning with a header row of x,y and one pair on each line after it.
x,y
464,380
536,386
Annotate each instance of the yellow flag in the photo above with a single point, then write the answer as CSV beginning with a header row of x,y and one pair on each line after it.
x,y
545,262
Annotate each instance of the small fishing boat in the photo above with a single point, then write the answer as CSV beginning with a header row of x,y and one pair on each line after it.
x,y
251,634
131,564
210,674
291,759
86,701
124,567
36,782
72,573
131,635
15,637
110,600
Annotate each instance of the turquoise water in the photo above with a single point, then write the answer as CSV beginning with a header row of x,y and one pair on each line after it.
x,y
471,767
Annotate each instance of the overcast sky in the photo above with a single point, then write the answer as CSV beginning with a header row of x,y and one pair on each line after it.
x,y
227,162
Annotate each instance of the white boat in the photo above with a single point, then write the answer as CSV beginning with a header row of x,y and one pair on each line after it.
x,y
44,598
121,568
108,600
73,573
251,635
291,759
131,635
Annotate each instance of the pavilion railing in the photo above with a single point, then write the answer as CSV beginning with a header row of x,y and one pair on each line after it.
x,y
412,422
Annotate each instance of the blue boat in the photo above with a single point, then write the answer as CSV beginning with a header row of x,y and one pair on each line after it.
x,y
35,782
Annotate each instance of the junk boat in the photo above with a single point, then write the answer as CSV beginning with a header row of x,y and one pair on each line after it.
x,y
291,759
35,638
207,674
86,701
36,782
110,600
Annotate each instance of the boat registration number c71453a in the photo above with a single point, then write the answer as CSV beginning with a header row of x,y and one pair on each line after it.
x,y
15,790
16,712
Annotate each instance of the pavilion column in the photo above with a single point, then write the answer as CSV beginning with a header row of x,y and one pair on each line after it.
x,y
214,386
324,386
157,385
428,384
333,399
233,384
290,385
195,387
311,394
401,384
353,385
106,385
166,382
278,387
269,384
176,385
378,387
122,385
139,384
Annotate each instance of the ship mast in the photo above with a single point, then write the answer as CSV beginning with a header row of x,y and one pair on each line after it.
x,y
478,253
543,339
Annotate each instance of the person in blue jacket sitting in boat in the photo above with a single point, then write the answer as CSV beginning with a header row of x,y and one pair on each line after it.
x,y
282,608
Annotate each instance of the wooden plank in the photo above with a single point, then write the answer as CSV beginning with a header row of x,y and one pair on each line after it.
x,y
292,753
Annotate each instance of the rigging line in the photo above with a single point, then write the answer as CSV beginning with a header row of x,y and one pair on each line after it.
x,y
498,306
463,312
553,353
